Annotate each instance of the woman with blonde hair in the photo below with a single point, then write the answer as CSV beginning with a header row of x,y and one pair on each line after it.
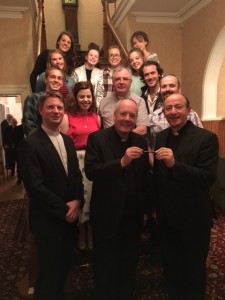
x,y
56,59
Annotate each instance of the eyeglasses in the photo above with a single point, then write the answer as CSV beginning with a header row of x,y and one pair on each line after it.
x,y
125,79
114,55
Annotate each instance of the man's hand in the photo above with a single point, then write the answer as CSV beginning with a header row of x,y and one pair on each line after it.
x,y
73,212
165,154
130,154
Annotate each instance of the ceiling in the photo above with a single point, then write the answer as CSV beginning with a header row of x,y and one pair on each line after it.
x,y
156,11
163,6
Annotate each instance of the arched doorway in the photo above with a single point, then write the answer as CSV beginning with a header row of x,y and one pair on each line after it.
x,y
210,81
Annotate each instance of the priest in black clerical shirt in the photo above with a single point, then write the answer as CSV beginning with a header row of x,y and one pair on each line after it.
x,y
116,163
184,168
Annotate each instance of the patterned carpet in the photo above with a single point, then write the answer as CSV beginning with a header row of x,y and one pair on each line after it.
x,y
14,255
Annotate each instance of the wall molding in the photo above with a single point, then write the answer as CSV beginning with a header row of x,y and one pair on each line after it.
x,y
122,11
176,18
12,12
15,90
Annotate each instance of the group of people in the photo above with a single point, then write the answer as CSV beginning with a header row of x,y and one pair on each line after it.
x,y
87,159
11,134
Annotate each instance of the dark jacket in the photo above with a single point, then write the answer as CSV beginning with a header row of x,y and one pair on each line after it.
x,y
48,186
31,118
183,199
109,191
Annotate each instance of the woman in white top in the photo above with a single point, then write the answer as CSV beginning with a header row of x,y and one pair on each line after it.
x,y
89,72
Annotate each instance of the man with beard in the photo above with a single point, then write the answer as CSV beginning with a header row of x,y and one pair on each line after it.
x,y
31,117
121,90
151,73
169,85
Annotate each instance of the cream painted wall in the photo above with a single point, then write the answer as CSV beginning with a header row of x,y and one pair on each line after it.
x,y
90,20
54,21
198,36
122,32
221,92
16,46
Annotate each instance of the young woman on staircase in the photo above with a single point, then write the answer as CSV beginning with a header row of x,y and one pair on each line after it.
x,y
89,72
65,43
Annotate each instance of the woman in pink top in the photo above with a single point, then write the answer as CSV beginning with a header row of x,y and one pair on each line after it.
x,y
79,121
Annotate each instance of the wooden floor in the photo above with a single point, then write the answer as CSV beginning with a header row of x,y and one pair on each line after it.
x,y
9,190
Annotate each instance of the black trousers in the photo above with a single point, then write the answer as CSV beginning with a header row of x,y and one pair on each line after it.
x,y
184,254
115,262
10,159
54,262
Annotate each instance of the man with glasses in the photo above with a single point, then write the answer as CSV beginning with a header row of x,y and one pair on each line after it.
x,y
121,90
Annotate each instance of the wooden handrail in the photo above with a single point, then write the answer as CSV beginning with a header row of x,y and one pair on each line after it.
x,y
41,34
113,31
39,28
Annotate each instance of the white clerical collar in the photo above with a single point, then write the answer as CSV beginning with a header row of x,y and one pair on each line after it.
x,y
175,133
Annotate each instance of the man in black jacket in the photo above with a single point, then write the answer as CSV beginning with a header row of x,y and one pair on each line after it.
x,y
118,166
185,167
53,182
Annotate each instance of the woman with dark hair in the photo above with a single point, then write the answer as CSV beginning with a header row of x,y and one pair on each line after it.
x,y
56,59
79,121
89,72
139,39
65,43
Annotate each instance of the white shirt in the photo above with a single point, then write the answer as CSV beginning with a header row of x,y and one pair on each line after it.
x,y
57,141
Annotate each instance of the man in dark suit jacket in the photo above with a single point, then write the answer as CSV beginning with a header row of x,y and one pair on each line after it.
x,y
53,182
118,167
185,168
